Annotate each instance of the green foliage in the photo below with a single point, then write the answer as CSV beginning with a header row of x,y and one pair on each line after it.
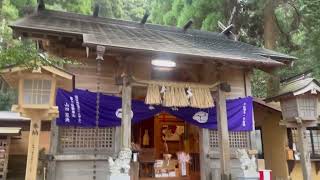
x,y
259,83
7,99
311,24
210,22
25,54
83,6
123,9
204,13
187,13
158,9
8,10
134,9
24,6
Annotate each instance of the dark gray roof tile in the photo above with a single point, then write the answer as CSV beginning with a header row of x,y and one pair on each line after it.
x,y
154,38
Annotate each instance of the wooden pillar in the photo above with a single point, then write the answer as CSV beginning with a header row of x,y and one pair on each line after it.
x,y
33,148
204,150
248,92
304,152
54,140
223,134
126,114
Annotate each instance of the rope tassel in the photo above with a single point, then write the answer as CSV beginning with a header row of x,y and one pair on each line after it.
x,y
153,95
175,95
181,98
201,98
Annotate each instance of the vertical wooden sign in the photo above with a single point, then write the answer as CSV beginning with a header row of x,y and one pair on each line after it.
x,y
33,149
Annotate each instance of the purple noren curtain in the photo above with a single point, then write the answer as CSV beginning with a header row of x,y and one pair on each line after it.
x,y
78,108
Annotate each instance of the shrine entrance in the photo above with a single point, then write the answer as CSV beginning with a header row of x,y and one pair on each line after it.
x,y
163,144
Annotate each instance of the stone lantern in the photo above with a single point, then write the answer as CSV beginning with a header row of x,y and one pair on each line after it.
x,y
36,100
299,99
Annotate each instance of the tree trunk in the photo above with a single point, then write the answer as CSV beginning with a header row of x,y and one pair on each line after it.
x,y
270,27
270,39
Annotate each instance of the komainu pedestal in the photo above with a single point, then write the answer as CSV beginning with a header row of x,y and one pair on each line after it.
x,y
248,166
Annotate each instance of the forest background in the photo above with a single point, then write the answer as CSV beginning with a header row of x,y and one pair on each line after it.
x,y
287,26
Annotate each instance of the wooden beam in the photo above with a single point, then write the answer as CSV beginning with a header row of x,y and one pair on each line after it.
x,y
44,34
227,30
223,134
232,15
304,152
83,157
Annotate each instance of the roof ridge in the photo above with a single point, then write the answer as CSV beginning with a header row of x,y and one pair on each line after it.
x,y
136,24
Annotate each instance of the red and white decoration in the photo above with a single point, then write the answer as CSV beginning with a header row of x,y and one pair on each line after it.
x,y
265,174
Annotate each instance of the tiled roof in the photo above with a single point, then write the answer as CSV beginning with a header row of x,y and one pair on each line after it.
x,y
294,86
289,88
128,35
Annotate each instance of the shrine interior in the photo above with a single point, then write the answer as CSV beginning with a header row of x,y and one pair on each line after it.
x,y
159,140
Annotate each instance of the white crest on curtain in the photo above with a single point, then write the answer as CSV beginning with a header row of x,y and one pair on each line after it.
x,y
119,113
201,117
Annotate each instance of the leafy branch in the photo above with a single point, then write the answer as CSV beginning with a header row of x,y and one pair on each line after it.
x,y
26,54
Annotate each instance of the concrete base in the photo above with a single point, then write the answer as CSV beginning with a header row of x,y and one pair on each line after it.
x,y
118,177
